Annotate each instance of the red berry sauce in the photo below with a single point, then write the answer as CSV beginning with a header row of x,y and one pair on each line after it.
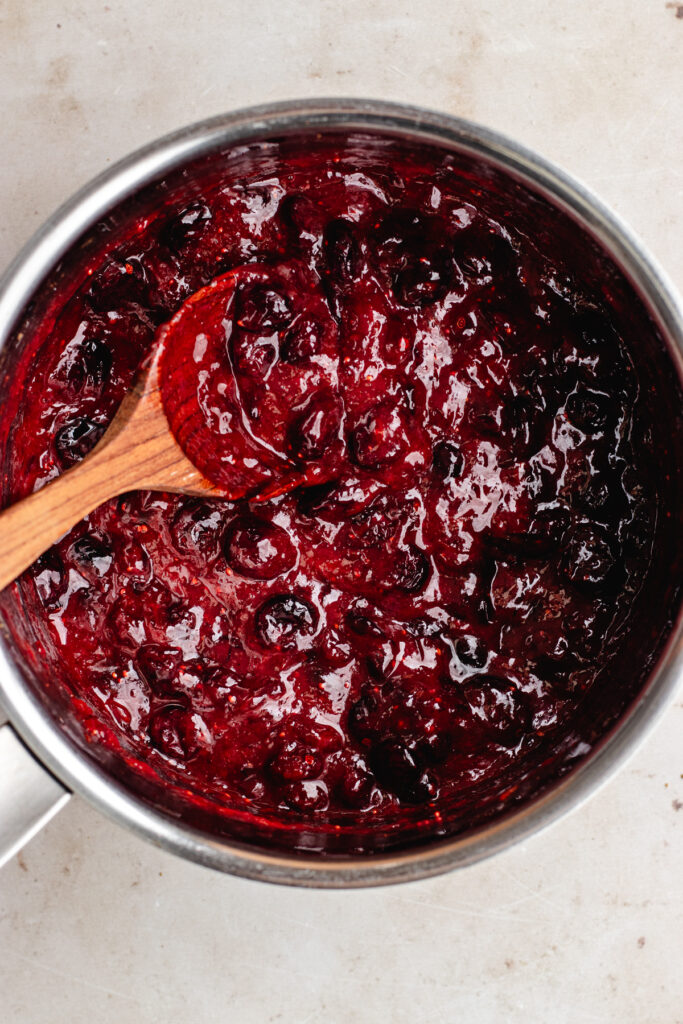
x,y
414,637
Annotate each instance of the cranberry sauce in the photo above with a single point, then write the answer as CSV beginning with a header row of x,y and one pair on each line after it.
x,y
415,628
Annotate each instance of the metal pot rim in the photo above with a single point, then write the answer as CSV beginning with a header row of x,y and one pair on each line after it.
x,y
53,239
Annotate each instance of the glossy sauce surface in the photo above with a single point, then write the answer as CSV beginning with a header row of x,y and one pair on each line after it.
x,y
424,615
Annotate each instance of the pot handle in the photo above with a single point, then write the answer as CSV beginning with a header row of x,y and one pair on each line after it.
x,y
29,795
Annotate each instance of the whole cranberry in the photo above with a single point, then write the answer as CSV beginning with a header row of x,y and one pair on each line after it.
x,y
197,526
448,461
380,436
173,731
258,549
50,578
424,280
302,340
186,226
394,766
354,785
159,664
471,651
316,427
252,354
303,220
591,411
306,795
411,570
362,624
260,307
411,250
91,366
283,619
74,440
362,717
120,281
498,707
484,256
94,555
589,556
294,762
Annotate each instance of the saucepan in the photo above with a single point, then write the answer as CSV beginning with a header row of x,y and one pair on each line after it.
x,y
44,757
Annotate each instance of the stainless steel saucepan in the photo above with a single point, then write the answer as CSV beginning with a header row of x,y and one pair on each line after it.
x,y
42,757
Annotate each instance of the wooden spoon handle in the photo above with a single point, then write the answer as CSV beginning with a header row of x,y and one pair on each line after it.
x,y
137,450
33,524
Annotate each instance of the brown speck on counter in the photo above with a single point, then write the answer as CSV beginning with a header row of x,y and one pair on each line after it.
x,y
677,805
641,941
677,8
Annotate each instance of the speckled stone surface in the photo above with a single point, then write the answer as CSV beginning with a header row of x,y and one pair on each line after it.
x,y
583,923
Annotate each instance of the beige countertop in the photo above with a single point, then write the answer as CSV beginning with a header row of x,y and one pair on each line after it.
x,y
583,923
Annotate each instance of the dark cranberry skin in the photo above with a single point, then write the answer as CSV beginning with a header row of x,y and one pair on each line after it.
x,y
396,768
423,627
596,331
411,571
484,256
92,368
471,651
283,619
302,340
540,541
589,558
448,461
557,668
362,625
335,501
118,282
261,308
395,239
379,436
312,501
355,785
594,488
361,720
342,252
303,220
411,251
429,748
498,708
173,732
426,788
159,665
186,227
258,549
76,439
295,762
306,796
50,578
424,280
197,527
253,355
590,411
92,554
316,427
548,528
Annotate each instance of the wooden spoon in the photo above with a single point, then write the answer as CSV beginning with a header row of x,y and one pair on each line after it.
x,y
138,451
